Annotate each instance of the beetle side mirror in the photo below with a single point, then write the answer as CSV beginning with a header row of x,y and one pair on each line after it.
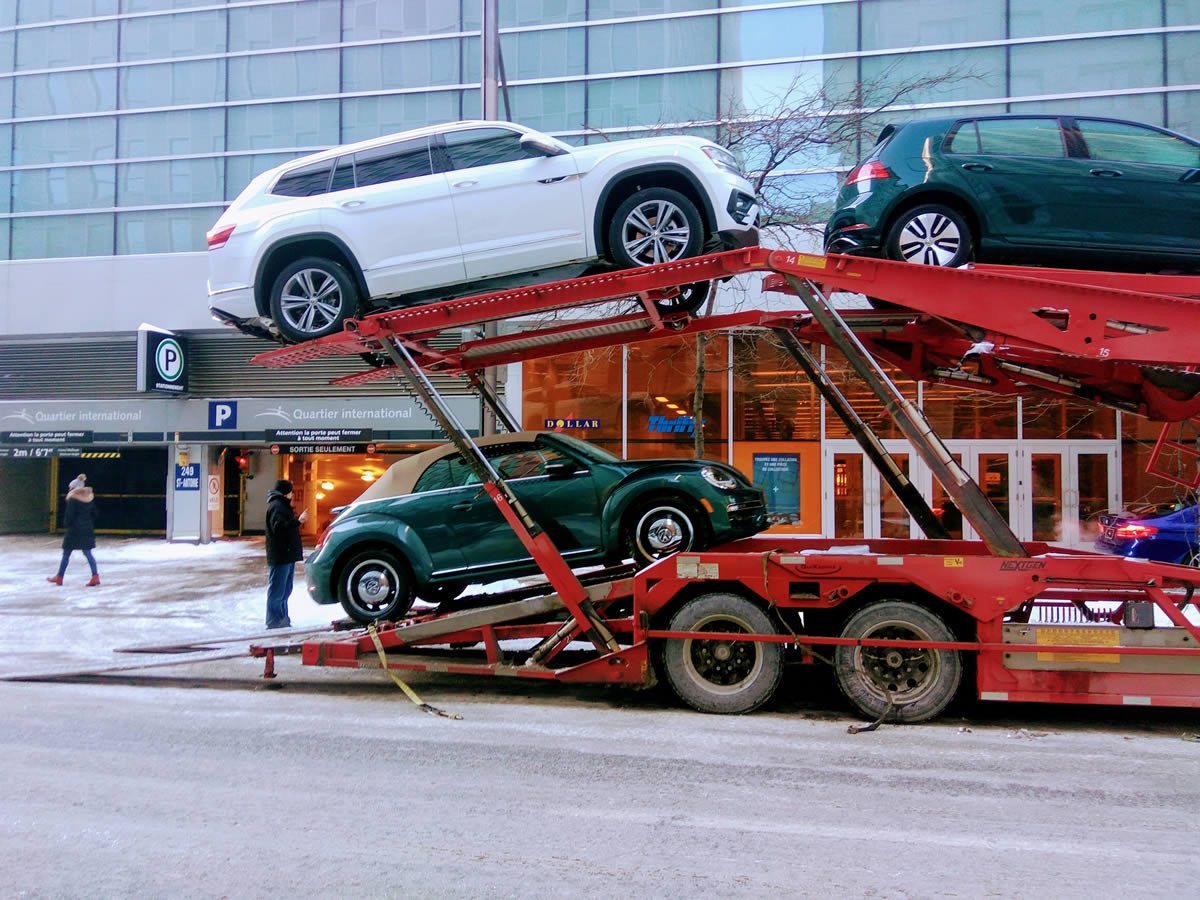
x,y
561,468
535,144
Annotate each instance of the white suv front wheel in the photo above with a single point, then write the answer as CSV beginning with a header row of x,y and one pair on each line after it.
x,y
311,298
658,225
655,225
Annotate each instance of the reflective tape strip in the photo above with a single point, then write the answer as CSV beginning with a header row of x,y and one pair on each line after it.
x,y
1136,701
890,560
993,695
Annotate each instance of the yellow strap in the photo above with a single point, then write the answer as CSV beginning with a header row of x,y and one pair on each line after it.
x,y
409,692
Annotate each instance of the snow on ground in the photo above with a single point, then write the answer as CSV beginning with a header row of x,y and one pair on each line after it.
x,y
150,590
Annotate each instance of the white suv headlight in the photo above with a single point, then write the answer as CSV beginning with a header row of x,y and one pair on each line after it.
x,y
718,479
722,158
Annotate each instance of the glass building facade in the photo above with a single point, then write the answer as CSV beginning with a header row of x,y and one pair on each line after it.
x,y
126,125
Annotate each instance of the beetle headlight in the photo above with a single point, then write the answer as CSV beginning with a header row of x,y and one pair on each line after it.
x,y
718,479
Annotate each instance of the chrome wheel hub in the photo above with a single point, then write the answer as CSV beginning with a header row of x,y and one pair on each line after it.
x,y
656,231
311,300
371,587
930,238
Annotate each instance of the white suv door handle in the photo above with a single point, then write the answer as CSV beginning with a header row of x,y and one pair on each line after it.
x,y
465,183
350,204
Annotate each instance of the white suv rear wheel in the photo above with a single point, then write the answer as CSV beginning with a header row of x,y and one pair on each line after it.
x,y
311,298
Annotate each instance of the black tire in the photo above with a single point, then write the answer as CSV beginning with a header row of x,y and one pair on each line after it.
x,y
634,236
689,299
441,593
722,676
931,234
922,682
655,529
375,585
311,298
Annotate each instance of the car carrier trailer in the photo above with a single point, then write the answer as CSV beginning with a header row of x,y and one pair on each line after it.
x,y
904,624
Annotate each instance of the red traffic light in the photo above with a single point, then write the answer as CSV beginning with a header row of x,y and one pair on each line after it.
x,y
243,463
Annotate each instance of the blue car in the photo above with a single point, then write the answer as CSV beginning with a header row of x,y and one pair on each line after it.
x,y
1164,533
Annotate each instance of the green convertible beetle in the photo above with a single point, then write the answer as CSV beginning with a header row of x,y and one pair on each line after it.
x,y
427,529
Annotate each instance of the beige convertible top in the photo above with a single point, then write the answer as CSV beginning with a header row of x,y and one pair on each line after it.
x,y
402,475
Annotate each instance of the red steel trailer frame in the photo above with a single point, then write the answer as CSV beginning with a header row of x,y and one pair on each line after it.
x,y
897,619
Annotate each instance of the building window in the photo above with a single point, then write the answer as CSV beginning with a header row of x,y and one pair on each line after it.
x,y
173,84
416,64
64,140
660,406
312,123
576,393
75,187
41,237
164,231
63,93
159,37
169,133
170,181
284,25
283,75
371,117
87,43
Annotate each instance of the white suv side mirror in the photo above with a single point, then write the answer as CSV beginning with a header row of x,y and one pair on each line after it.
x,y
538,144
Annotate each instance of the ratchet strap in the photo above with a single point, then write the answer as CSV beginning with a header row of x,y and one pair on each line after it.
x,y
408,692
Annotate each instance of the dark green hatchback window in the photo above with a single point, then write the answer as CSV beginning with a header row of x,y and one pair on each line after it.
x,y
1126,142
1009,137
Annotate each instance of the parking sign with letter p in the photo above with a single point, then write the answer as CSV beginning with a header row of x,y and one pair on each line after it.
x,y
222,415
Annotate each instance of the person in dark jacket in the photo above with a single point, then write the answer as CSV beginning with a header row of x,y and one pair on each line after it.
x,y
80,523
284,550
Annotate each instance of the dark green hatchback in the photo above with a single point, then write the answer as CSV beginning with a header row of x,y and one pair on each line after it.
x,y
1057,190
427,529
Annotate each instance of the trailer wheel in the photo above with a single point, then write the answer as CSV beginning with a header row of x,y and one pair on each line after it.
x,y
375,585
922,682
723,676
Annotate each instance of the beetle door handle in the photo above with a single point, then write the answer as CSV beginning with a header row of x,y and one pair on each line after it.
x,y
1106,173
467,183
977,167
351,204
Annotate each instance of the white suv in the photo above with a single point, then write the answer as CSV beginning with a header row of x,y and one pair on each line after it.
x,y
460,209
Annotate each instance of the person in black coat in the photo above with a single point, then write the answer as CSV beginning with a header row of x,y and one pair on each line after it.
x,y
80,522
284,550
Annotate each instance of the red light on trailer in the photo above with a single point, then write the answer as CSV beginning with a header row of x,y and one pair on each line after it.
x,y
868,171
218,236
1132,532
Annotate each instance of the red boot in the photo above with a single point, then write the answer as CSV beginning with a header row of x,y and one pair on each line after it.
x,y
95,580
55,579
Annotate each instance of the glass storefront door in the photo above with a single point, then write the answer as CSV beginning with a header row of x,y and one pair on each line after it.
x,y
1064,487
1051,491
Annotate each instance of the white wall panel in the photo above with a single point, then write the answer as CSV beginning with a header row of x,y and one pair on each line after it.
x,y
104,294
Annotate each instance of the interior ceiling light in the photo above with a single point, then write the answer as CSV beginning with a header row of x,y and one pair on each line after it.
x,y
672,406
327,485
368,476
662,399
320,495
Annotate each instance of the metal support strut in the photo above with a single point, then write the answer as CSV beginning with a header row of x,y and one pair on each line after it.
x,y
963,490
871,446
531,535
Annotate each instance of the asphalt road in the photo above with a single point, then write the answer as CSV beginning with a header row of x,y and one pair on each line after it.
x,y
335,785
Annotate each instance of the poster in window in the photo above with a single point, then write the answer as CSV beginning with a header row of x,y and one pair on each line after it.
x,y
778,474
